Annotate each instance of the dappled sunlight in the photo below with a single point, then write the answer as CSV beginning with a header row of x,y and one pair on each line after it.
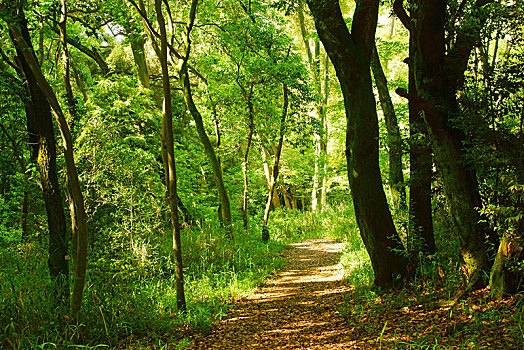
x,y
296,309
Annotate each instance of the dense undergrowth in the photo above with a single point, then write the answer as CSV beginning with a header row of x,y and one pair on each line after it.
x,y
132,294
129,299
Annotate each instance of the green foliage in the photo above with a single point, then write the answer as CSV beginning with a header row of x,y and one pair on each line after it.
x,y
133,294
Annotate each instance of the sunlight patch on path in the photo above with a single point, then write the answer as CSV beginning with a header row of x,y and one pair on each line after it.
x,y
297,309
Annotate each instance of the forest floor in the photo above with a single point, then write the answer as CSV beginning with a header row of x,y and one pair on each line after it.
x,y
307,305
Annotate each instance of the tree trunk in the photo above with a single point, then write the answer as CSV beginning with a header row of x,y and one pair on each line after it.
x,y
350,55
22,41
274,175
437,74
23,169
251,114
169,152
42,140
79,266
319,177
503,279
139,56
210,152
396,176
324,137
268,171
420,178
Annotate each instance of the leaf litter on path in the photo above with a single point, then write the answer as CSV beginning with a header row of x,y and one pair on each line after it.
x,y
308,306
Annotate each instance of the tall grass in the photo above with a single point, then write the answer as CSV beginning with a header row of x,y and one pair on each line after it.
x,y
130,291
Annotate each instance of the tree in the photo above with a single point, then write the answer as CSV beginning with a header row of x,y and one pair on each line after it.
x,y
204,138
321,86
43,153
438,73
48,102
350,54
274,173
396,175
168,149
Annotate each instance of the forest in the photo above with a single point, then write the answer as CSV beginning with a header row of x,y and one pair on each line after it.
x,y
265,174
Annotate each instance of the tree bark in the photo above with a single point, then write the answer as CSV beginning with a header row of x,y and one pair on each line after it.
x,y
420,178
318,194
23,169
437,74
21,40
274,174
169,152
79,266
42,140
251,115
139,56
396,175
350,54
268,171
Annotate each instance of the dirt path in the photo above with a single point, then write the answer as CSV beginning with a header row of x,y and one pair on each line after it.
x,y
296,310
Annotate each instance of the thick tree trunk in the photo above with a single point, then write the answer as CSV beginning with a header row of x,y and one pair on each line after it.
x,y
420,231
350,55
42,140
503,279
396,175
22,41
437,75
274,175
169,152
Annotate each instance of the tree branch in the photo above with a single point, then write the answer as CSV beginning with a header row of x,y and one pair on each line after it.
x,y
433,116
90,52
400,11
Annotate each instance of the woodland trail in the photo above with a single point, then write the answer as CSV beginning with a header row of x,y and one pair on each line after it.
x,y
295,310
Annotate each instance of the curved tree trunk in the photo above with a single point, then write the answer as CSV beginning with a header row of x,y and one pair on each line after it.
x,y
350,54
42,140
22,41
79,265
169,154
396,176
210,152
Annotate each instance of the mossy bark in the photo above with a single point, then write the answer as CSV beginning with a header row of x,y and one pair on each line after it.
x,y
43,153
396,176
139,56
350,54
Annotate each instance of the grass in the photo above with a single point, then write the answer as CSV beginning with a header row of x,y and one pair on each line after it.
x,y
129,300
130,294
